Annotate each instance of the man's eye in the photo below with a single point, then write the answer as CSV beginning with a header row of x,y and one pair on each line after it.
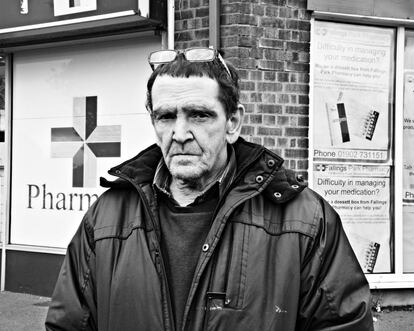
x,y
200,115
164,117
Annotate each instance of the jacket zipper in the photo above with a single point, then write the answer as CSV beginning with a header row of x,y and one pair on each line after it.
x,y
158,256
231,209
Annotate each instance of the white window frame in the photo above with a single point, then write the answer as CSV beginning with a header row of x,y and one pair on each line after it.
x,y
397,279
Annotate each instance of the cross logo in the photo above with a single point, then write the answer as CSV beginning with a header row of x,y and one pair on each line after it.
x,y
85,141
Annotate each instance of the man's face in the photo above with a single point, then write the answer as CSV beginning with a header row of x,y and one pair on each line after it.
x,y
191,126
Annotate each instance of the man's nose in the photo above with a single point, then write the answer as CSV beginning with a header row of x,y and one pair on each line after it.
x,y
181,130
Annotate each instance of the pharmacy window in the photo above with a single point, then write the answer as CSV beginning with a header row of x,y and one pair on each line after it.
x,y
352,114
2,138
408,155
2,99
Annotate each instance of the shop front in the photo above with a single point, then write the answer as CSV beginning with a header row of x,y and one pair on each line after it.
x,y
74,79
361,130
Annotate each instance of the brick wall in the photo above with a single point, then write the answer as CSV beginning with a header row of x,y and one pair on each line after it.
x,y
268,41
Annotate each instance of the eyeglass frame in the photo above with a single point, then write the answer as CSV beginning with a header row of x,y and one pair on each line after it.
x,y
217,55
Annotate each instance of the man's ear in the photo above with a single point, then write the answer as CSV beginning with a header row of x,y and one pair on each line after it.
x,y
234,124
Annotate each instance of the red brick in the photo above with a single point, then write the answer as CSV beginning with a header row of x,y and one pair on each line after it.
x,y
292,3
274,2
246,7
229,8
256,75
269,142
247,41
304,25
303,88
266,131
285,34
200,12
286,12
282,120
255,97
292,24
229,30
271,22
201,34
229,41
300,110
271,65
276,54
303,143
269,109
282,142
256,140
303,121
282,98
269,119
273,87
243,74
270,75
185,36
292,163
247,130
244,98
230,19
303,99
304,36
303,165
304,57
197,3
249,107
295,46
296,132
296,153
247,86
248,19
247,63
256,119
270,43
269,97
303,77
282,77
258,10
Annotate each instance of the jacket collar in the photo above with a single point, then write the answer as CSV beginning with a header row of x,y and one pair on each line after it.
x,y
257,166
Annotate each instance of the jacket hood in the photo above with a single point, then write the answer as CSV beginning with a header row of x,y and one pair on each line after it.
x,y
256,166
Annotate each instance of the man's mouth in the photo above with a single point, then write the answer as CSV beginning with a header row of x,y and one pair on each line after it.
x,y
184,154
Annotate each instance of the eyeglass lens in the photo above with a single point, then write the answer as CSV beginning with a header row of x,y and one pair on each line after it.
x,y
199,54
163,56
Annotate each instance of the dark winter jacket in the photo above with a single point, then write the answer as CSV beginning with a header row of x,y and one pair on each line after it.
x,y
276,258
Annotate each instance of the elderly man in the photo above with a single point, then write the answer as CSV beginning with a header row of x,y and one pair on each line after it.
x,y
204,231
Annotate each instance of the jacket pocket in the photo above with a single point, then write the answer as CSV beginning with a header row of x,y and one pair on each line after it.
x,y
230,267
219,317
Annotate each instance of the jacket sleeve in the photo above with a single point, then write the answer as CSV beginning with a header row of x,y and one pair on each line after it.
x,y
335,294
73,304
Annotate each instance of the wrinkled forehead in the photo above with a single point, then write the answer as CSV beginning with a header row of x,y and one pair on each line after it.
x,y
169,91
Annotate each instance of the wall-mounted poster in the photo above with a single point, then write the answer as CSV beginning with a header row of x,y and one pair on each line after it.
x,y
77,111
408,130
352,79
360,194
